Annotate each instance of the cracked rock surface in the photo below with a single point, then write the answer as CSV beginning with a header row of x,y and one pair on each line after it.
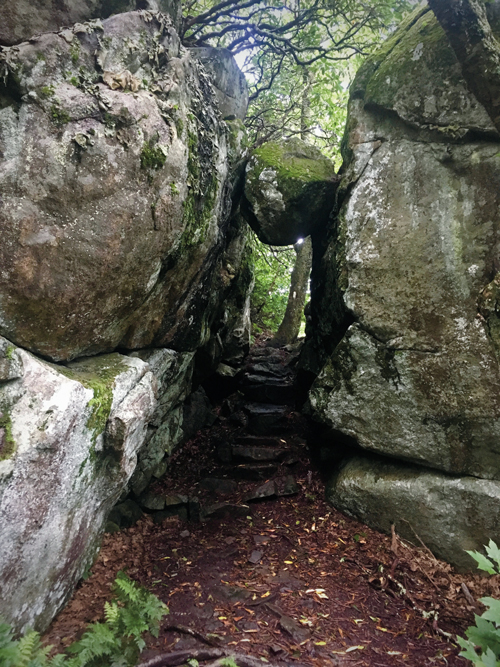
x,y
403,322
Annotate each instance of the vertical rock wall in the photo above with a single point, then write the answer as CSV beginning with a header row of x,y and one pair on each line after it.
x,y
405,300
118,185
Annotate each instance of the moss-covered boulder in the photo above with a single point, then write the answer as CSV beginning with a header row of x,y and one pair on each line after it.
x,y
289,191
404,322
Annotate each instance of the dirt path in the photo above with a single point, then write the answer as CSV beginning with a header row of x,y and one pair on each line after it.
x,y
285,578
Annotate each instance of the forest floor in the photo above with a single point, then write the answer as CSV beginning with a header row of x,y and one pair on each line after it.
x,y
289,580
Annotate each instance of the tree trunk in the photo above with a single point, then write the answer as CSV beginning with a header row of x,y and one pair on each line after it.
x,y
305,104
290,326
468,30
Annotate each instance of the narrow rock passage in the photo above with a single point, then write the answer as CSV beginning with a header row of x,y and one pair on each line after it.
x,y
271,570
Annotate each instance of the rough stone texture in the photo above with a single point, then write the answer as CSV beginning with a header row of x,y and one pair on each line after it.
x,y
403,317
289,191
22,19
112,155
449,514
173,372
76,431
230,83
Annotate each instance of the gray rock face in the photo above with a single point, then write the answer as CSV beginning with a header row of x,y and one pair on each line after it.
x,y
22,19
114,179
403,310
230,83
449,514
74,434
289,191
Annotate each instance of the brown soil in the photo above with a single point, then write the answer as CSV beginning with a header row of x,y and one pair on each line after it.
x,y
292,581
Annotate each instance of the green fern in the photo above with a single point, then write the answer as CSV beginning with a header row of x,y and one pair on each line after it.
x,y
115,643
485,635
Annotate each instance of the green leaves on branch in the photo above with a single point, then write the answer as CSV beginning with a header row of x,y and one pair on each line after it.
x,y
117,642
482,646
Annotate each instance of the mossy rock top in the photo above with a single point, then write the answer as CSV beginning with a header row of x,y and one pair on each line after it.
x,y
289,191
416,74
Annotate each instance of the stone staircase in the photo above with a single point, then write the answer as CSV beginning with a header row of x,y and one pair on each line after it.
x,y
254,458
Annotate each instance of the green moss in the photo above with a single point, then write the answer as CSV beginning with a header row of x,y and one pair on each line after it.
x,y
179,126
75,51
372,63
9,352
59,116
152,155
306,169
9,447
46,91
98,374
74,81
174,189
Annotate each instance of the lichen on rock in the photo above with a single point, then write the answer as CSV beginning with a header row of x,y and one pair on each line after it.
x,y
404,305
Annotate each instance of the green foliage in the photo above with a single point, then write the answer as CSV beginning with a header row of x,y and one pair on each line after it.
x,y
485,635
273,267
115,643
228,662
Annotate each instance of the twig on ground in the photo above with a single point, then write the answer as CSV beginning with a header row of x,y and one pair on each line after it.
x,y
214,654
193,633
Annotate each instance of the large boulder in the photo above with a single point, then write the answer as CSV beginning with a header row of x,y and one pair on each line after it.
x,y
404,320
289,191
449,514
114,190
22,19
69,439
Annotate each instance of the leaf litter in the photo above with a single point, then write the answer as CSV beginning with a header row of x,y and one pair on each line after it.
x,y
321,590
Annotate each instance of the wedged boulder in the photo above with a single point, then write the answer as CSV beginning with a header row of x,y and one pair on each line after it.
x,y
403,320
74,433
449,514
289,191
115,192
22,19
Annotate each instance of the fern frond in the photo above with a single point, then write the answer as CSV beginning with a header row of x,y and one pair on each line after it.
x,y
30,648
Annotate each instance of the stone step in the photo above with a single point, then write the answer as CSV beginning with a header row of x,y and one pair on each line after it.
x,y
261,440
275,392
255,472
265,419
258,454
280,486
269,369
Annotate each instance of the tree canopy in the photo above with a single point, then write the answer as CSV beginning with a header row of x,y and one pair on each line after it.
x,y
288,48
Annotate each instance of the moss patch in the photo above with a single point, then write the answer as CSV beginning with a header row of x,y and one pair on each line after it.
x,y
98,374
152,155
59,116
306,168
8,448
